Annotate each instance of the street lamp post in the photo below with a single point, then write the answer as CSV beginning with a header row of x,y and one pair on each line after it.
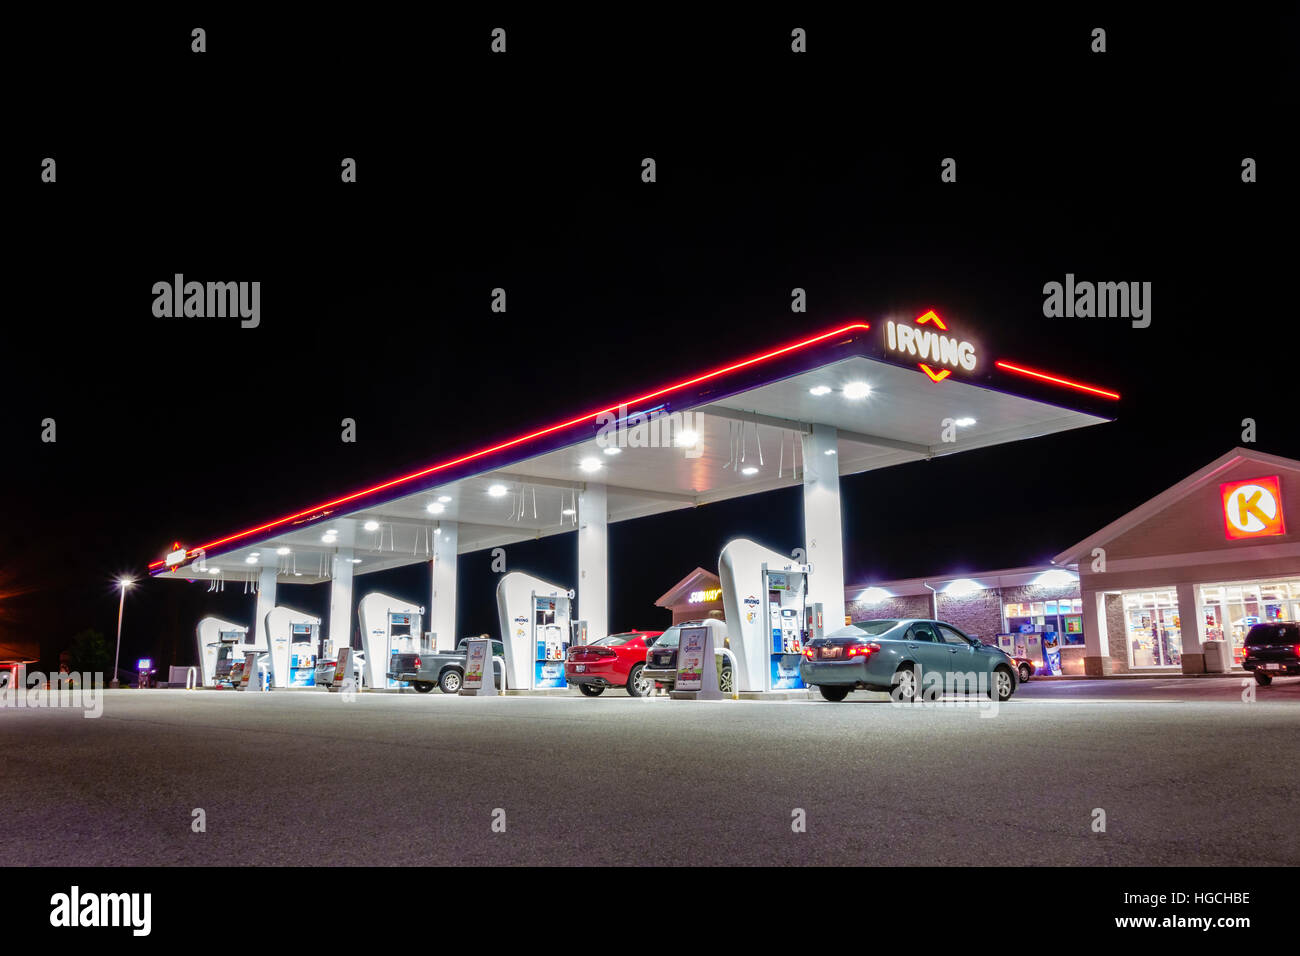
x,y
122,584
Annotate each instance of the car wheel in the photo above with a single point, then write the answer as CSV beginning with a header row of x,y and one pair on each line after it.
x,y
450,682
904,685
1002,684
590,691
423,686
1025,673
638,686
725,683
834,694
1262,679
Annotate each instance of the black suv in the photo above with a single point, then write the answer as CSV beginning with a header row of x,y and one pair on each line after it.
x,y
1272,650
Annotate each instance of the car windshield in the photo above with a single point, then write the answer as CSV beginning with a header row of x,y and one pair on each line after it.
x,y
1274,634
669,638
875,628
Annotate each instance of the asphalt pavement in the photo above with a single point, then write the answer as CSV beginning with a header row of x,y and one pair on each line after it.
x,y
1184,771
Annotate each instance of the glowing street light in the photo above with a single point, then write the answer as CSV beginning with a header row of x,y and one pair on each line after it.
x,y
123,583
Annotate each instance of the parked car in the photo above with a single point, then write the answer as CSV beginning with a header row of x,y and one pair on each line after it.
x,y
442,669
326,669
661,660
1272,650
895,655
236,675
1024,668
614,661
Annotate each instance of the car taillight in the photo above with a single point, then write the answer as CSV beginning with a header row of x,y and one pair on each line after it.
x,y
417,663
862,650
808,652
1296,650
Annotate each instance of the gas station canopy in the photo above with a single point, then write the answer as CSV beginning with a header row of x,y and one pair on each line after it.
x,y
893,390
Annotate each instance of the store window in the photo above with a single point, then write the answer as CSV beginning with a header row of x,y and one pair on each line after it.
x,y
1231,610
1154,630
1063,617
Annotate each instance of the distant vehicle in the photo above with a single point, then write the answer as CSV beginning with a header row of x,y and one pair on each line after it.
x,y
614,661
327,668
661,660
442,669
1272,650
895,655
1024,668
236,675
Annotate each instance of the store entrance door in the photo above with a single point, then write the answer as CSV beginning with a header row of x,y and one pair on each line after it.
x,y
1154,628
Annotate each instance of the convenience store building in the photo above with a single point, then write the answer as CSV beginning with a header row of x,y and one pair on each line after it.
x,y
1175,584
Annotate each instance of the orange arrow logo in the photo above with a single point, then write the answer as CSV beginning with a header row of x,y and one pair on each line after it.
x,y
935,376
932,316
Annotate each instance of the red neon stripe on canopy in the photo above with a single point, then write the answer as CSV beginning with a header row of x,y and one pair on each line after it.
x,y
524,438
1056,379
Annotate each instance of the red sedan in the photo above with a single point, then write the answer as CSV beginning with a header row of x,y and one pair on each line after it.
x,y
614,661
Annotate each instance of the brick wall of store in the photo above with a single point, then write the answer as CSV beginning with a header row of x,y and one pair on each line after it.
x,y
978,614
1117,634
908,605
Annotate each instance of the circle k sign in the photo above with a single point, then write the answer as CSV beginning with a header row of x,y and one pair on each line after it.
x,y
1252,508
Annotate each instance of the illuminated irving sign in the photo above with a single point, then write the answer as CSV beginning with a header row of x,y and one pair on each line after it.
x,y
931,346
1252,508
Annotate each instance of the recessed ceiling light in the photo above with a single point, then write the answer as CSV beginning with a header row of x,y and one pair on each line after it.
x,y
857,390
435,508
213,571
964,422
354,560
328,538
829,451
751,470
819,390
589,464
568,512
497,491
250,560
687,438
372,525
297,574
282,551
445,499
612,450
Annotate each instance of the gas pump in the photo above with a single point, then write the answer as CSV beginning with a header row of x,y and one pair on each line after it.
x,y
536,629
302,654
222,645
292,638
551,633
226,652
789,623
389,626
769,619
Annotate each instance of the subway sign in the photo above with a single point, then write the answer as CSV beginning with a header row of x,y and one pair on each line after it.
x,y
926,339
1252,508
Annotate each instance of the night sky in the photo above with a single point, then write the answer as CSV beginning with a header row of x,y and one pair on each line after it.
x,y
522,171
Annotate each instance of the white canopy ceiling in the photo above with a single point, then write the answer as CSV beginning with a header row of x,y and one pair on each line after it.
x,y
900,419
